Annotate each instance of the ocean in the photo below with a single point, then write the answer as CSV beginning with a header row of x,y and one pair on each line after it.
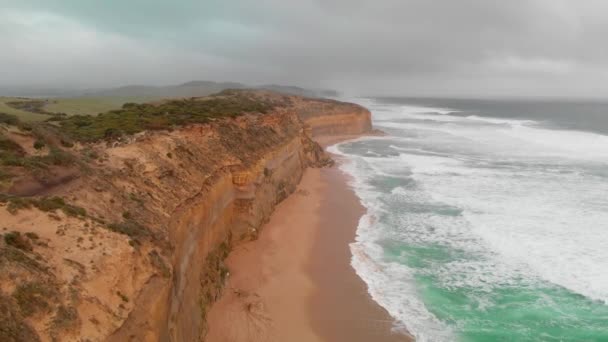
x,y
486,220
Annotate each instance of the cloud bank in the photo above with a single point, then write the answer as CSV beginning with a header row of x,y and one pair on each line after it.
x,y
395,47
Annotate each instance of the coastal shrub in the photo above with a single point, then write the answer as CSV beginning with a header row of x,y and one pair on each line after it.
x,y
9,119
55,203
32,235
17,203
39,144
66,143
56,117
46,204
13,327
267,172
215,274
50,204
133,118
130,228
122,296
15,239
12,154
8,146
26,126
33,106
90,154
57,156
135,198
13,120
14,255
65,318
158,262
34,297
110,133
4,175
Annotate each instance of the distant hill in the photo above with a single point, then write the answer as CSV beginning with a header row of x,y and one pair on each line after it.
x,y
201,88
37,92
95,101
189,89
292,90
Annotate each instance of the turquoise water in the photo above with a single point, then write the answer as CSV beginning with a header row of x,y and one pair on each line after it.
x,y
483,229
514,312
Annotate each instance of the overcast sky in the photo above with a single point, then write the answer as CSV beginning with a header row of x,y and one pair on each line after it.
x,y
397,47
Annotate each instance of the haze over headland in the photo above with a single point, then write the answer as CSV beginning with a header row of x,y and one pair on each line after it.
x,y
389,47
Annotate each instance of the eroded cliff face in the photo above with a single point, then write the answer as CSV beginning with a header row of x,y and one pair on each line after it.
x,y
329,118
175,203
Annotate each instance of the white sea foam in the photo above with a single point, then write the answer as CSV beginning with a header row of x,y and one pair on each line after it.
x,y
390,285
529,210
512,122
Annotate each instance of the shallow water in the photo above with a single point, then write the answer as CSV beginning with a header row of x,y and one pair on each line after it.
x,y
483,227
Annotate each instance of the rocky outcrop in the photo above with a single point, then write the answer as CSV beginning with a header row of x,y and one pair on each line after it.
x,y
175,202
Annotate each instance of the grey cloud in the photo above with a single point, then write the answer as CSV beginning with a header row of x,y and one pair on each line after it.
x,y
410,47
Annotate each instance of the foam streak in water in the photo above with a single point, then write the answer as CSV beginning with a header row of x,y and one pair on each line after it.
x,y
474,223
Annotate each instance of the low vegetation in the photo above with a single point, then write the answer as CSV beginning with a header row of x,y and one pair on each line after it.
x,y
5,175
130,228
34,297
9,119
24,116
48,204
39,144
12,255
51,152
11,154
13,327
134,118
66,319
93,105
122,296
159,263
34,106
216,273
32,235
10,151
15,239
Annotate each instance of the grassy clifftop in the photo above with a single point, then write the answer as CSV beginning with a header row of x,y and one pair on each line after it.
x,y
45,151
133,118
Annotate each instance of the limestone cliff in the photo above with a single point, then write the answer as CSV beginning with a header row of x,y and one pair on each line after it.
x,y
328,117
133,246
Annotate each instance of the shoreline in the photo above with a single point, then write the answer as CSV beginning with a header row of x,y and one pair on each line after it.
x,y
341,307
295,282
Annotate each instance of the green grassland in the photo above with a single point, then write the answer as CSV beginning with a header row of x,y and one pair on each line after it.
x,y
133,118
92,105
92,119
68,106
23,115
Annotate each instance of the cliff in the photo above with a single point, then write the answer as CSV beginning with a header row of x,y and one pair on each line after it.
x,y
128,243
330,118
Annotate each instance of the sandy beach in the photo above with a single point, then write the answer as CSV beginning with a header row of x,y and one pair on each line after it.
x,y
295,282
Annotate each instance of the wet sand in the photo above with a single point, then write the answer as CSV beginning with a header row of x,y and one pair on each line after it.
x,y
295,283
341,308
